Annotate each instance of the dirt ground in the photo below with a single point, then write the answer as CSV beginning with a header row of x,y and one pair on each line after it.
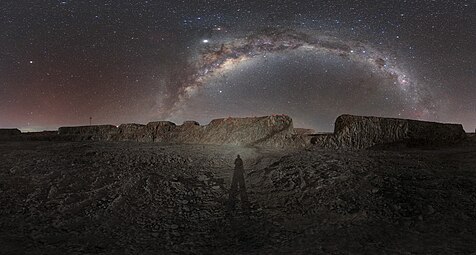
x,y
145,198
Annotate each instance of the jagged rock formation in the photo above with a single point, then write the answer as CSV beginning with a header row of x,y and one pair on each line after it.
x,y
360,132
276,131
269,130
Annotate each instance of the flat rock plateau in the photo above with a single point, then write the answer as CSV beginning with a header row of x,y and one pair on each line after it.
x,y
149,189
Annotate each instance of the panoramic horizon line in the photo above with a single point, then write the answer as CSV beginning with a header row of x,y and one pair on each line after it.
x,y
39,130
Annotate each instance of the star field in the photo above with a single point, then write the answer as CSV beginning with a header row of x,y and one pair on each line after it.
x,y
62,62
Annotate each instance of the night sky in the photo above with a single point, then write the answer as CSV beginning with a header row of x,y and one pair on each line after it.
x,y
62,62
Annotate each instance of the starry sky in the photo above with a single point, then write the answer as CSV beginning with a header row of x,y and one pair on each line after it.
x,y
62,62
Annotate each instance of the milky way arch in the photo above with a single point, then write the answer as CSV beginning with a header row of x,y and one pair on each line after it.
x,y
217,59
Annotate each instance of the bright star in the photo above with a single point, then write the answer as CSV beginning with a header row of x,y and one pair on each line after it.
x,y
206,41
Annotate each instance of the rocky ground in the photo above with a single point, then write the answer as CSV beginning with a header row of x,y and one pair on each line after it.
x,y
145,198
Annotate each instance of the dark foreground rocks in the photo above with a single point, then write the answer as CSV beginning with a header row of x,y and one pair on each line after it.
x,y
119,198
146,198
373,202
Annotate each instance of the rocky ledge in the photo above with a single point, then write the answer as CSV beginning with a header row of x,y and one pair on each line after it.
x,y
359,132
351,132
8,134
275,131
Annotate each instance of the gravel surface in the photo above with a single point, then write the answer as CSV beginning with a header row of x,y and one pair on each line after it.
x,y
144,198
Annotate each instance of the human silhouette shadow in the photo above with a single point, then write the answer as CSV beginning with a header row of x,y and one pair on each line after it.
x,y
238,186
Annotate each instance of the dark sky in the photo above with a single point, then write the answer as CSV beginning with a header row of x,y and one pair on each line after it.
x,y
62,62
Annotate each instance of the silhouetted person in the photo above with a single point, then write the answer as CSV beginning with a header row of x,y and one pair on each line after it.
x,y
238,182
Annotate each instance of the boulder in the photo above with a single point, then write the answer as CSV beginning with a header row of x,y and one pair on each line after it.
x,y
359,132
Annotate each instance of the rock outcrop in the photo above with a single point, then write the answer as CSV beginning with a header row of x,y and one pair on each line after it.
x,y
9,134
358,132
327,141
269,130
41,136
100,132
132,132
351,132
9,131
274,131
160,131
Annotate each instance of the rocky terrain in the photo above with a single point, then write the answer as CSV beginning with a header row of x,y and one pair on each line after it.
x,y
374,186
373,202
146,198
